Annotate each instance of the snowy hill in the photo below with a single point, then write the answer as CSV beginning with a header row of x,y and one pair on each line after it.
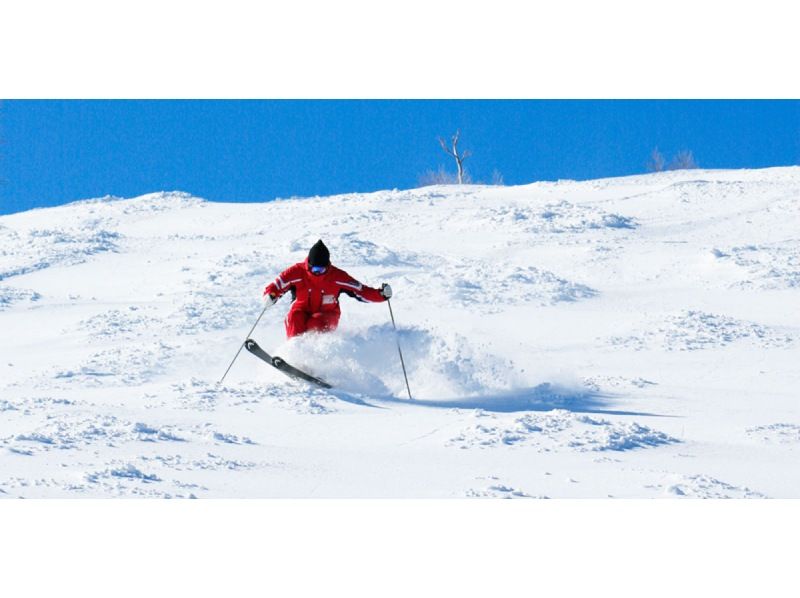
x,y
629,337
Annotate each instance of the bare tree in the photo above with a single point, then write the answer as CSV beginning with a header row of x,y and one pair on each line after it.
x,y
497,178
453,152
683,160
656,162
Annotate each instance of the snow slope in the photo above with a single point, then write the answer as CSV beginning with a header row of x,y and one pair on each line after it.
x,y
629,337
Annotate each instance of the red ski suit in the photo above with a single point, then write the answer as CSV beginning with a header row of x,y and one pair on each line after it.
x,y
315,298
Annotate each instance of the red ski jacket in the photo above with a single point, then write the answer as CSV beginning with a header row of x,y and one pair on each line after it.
x,y
320,293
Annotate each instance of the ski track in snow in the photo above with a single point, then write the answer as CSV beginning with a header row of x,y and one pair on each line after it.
x,y
137,304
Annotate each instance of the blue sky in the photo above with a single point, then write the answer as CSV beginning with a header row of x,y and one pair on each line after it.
x,y
55,151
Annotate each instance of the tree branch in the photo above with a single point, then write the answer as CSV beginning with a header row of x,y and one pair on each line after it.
x,y
445,148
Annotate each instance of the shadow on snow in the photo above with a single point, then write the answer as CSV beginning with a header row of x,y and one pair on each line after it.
x,y
544,397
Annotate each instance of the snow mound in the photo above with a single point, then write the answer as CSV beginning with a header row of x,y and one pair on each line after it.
x,y
481,284
767,266
128,471
558,218
210,462
498,490
705,486
65,246
121,365
9,296
693,330
119,325
71,432
150,203
557,430
7,406
781,433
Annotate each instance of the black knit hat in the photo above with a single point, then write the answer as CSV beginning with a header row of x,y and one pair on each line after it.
x,y
319,255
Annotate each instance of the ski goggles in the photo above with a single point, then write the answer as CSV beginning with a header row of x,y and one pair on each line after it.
x,y
318,269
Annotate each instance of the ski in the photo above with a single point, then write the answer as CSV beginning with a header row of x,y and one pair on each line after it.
x,y
281,365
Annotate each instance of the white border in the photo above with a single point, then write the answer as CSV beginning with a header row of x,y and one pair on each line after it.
x,y
413,49
398,548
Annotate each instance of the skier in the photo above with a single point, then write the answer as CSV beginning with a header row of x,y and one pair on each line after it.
x,y
316,285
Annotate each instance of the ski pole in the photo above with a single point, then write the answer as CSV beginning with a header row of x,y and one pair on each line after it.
x,y
397,338
243,342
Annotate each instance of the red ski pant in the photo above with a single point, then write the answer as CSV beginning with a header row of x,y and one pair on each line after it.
x,y
299,321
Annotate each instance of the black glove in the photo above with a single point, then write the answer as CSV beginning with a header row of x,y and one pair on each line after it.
x,y
386,290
